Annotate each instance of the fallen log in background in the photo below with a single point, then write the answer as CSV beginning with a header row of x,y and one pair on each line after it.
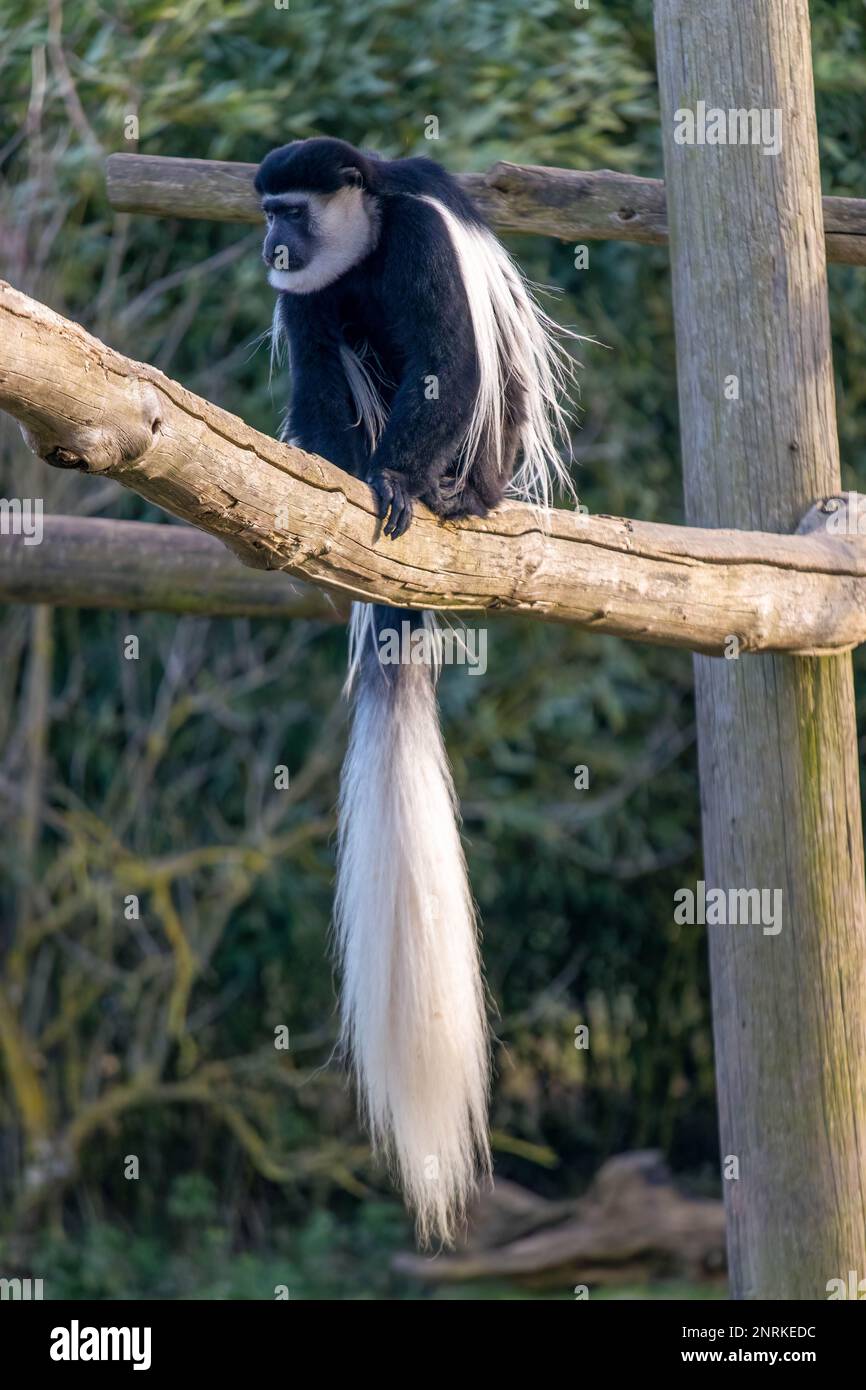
x,y
92,562
631,1226
85,406
570,204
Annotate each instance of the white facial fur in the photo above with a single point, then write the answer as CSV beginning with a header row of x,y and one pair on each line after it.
x,y
346,226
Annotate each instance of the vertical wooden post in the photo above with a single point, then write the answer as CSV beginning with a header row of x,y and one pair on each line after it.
x,y
777,740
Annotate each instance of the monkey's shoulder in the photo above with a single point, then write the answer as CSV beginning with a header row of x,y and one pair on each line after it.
x,y
414,239
423,178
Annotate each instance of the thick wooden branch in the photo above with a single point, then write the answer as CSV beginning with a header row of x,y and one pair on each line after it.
x,y
84,406
571,204
91,562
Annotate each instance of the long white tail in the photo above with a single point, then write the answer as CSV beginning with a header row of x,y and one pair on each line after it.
x,y
413,1016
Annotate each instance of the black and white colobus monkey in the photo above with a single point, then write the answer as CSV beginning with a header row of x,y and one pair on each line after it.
x,y
420,363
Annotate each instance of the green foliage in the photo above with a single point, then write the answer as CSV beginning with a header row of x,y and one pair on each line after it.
x,y
253,1173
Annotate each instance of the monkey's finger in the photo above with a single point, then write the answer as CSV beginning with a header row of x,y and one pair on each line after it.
x,y
398,500
401,516
396,507
384,495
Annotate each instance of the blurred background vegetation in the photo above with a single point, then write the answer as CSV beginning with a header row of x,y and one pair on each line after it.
x,y
155,1037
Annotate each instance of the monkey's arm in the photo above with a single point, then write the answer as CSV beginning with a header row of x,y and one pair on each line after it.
x,y
431,327
322,417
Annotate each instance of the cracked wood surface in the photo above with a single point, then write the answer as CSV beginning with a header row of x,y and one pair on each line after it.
x,y
83,405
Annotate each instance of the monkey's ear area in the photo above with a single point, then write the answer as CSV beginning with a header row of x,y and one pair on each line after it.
x,y
352,176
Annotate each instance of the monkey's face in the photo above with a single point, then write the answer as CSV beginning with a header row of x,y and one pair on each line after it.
x,y
314,238
319,197
290,241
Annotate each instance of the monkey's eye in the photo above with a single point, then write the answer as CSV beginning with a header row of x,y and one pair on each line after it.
x,y
294,212
270,218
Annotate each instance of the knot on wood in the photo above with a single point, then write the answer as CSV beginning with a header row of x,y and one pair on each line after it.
x,y
504,176
840,514
88,447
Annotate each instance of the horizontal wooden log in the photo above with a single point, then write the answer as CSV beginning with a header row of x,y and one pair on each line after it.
x,y
570,204
84,406
91,562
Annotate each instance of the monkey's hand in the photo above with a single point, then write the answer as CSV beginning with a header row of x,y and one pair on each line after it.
x,y
393,500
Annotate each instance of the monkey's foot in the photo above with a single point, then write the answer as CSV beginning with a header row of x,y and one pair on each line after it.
x,y
455,502
393,500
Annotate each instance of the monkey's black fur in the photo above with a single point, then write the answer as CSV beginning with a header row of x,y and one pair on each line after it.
x,y
404,311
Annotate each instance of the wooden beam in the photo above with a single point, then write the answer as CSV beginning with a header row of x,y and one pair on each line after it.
x,y
570,204
777,736
85,406
92,562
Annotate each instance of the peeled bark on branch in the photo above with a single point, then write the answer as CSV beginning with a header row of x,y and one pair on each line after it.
x,y
570,204
84,406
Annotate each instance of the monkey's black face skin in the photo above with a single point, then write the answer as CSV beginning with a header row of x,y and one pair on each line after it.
x,y
370,258
289,243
